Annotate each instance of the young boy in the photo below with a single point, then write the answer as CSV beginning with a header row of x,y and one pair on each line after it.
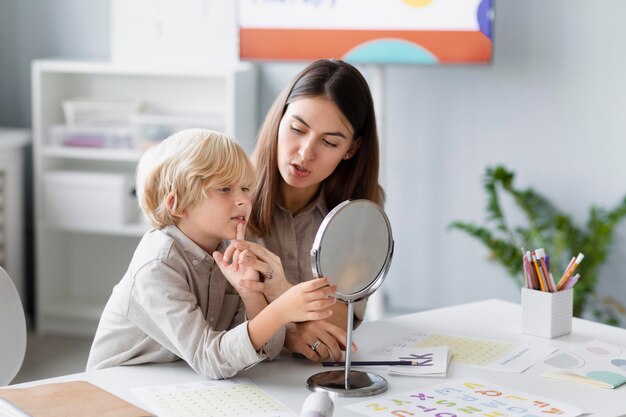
x,y
178,298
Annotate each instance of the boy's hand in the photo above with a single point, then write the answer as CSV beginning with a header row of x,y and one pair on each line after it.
x,y
236,274
234,271
273,282
310,300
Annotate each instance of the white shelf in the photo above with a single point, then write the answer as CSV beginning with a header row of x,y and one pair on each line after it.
x,y
112,68
136,230
78,266
96,154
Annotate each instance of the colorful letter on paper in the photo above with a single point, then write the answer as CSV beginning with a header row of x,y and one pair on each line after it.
x,y
464,397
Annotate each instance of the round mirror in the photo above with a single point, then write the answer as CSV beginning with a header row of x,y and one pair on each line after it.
x,y
353,248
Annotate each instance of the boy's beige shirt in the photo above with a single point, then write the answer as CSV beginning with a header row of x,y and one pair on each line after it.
x,y
174,302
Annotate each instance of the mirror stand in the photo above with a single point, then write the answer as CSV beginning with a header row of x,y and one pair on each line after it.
x,y
348,383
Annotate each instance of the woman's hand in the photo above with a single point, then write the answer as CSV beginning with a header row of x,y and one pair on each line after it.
x,y
273,282
301,337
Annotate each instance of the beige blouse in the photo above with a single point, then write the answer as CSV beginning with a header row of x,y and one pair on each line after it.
x,y
174,303
291,239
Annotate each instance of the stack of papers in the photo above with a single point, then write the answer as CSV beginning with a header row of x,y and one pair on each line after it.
x,y
430,362
597,363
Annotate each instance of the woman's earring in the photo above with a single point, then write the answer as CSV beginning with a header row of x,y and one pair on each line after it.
x,y
347,156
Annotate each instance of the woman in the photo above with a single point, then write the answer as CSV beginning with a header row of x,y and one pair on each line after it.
x,y
317,147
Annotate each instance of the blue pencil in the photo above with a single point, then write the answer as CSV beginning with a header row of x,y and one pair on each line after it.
x,y
371,363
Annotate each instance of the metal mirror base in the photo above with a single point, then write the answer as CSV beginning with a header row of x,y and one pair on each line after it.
x,y
360,384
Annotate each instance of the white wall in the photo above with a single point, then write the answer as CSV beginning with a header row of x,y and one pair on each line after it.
x,y
550,107
8,69
31,29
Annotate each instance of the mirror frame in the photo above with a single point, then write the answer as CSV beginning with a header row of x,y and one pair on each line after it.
x,y
355,383
315,251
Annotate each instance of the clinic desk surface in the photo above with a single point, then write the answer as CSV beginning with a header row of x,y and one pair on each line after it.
x,y
286,377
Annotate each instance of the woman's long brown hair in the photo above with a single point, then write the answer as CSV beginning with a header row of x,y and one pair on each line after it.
x,y
353,178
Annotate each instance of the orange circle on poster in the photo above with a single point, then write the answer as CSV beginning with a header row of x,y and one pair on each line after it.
x,y
417,3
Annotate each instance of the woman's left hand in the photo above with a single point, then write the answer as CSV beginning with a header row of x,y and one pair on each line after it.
x,y
302,337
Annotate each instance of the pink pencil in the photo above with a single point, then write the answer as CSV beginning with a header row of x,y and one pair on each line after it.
x,y
569,271
571,282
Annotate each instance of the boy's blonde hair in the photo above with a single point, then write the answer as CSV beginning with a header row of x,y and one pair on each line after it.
x,y
180,168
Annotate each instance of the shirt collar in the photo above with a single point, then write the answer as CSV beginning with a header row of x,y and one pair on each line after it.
x,y
188,245
318,203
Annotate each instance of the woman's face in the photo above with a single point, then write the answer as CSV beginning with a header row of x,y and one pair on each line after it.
x,y
313,137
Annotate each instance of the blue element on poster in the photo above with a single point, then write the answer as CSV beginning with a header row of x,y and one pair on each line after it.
x,y
390,51
484,15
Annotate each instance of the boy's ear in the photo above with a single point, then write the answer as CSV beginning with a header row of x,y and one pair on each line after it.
x,y
171,201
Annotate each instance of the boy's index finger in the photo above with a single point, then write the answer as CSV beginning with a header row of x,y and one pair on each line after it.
x,y
241,231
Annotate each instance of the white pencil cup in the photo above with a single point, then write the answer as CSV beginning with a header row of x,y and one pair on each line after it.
x,y
547,314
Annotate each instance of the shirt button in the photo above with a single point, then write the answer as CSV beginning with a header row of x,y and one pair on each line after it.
x,y
211,319
195,262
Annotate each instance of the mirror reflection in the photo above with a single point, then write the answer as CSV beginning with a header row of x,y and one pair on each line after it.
x,y
353,248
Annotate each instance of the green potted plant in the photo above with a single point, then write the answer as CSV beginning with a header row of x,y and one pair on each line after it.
x,y
550,228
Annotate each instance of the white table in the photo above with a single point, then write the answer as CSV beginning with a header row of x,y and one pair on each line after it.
x,y
286,377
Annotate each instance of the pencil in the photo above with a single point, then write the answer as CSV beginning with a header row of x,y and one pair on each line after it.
x,y
571,282
570,271
533,274
371,363
542,283
541,253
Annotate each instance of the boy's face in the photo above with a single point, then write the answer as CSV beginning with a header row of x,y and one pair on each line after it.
x,y
217,215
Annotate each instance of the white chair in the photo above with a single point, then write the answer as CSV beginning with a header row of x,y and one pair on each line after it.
x,y
12,330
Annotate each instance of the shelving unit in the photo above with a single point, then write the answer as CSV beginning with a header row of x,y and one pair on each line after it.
x,y
77,266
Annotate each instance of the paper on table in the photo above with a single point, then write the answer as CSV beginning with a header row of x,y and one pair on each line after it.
x,y
236,397
463,397
76,398
431,362
596,362
478,353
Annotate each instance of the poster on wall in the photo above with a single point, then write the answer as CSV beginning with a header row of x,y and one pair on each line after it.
x,y
367,31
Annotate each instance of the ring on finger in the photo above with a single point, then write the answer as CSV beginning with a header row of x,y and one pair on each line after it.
x,y
315,345
269,275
